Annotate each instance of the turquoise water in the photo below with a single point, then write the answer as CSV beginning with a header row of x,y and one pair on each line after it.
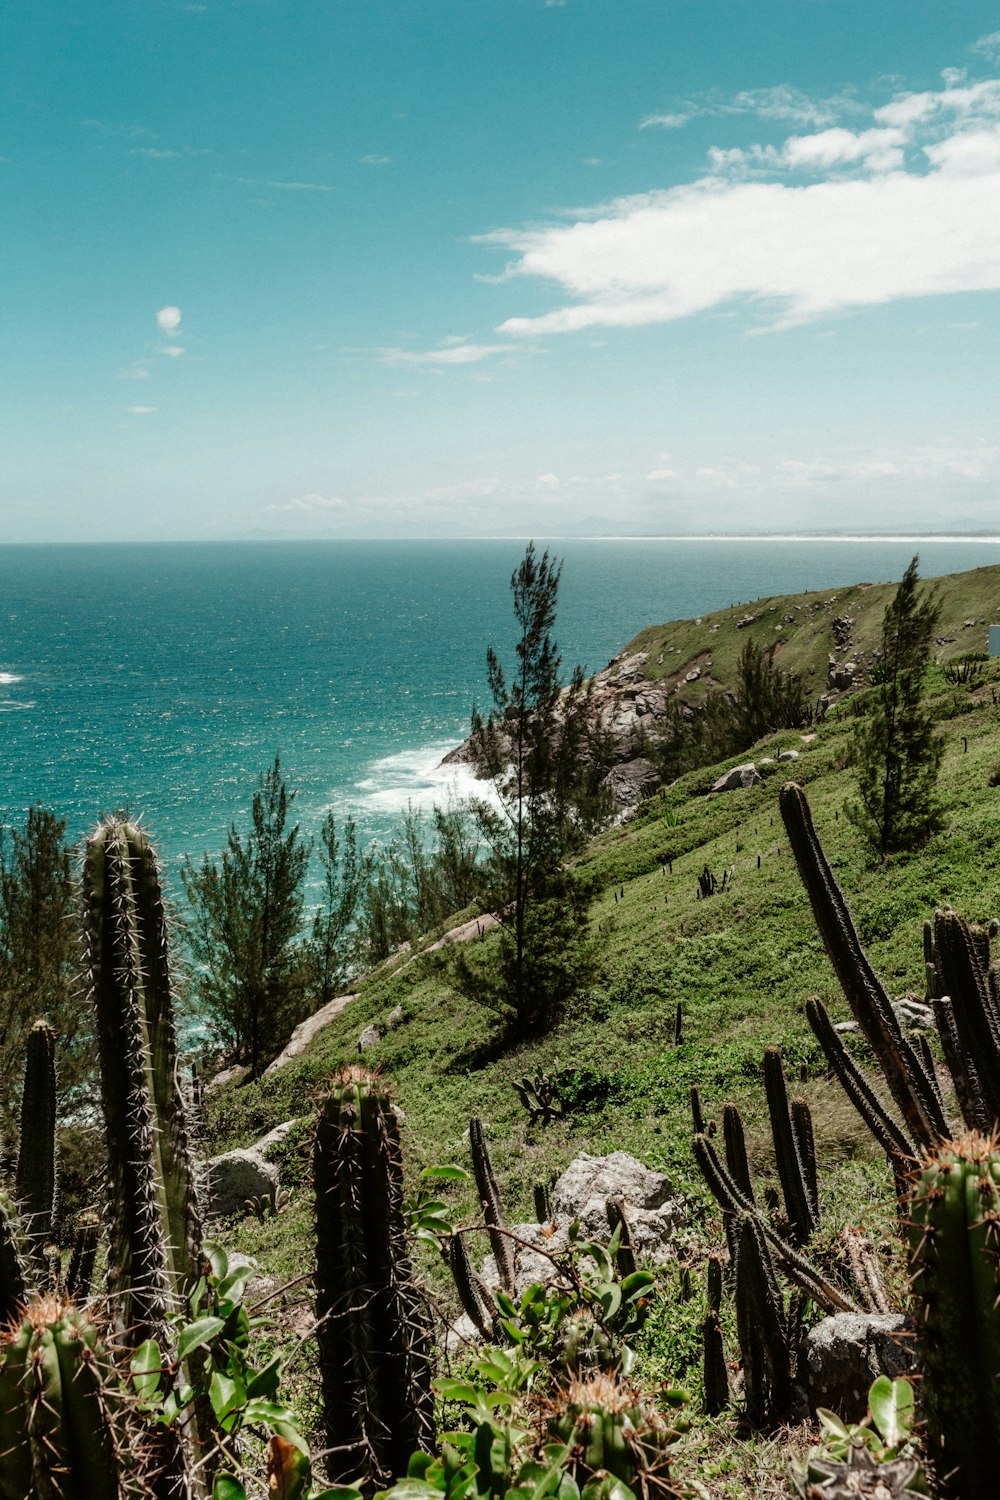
x,y
163,678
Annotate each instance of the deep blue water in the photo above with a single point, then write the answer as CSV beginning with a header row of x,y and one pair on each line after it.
x,y
165,677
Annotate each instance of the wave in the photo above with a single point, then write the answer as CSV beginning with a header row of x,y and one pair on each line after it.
x,y
8,678
416,778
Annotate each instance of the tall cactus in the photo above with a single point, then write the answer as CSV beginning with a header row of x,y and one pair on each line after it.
x,y
35,1181
154,1230
914,1089
489,1197
955,1269
788,1156
374,1348
57,1427
765,1342
716,1374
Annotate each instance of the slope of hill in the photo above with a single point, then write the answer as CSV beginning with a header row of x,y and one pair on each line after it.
x,y
740,964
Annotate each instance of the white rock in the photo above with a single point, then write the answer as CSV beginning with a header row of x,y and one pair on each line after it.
x,y
740,776
232,1178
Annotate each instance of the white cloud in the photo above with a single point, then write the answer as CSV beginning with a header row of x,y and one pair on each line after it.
x,y
783,102
374,160
173,350
309,505
929,463
656,476
987,46
137,370
880,150
452,352
665,122
142,411
168,319
547,482
873,229
286,187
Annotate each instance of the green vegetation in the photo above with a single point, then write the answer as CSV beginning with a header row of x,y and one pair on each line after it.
x,y
794,1166
538,747
897,749
244,927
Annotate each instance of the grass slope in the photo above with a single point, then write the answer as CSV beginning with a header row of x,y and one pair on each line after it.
x,y
741,964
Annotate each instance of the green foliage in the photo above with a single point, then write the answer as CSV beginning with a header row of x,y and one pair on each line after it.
x,y
768,699
39,956
897,751
243,927
875,1456
538,746
346,872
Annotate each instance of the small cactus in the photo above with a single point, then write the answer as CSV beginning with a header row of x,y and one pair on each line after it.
x,y
35,1183
611,1431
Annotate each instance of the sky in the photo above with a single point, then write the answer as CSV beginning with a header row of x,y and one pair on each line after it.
x,y
368,268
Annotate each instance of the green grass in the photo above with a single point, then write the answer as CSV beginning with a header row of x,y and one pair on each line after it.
x,y
741,964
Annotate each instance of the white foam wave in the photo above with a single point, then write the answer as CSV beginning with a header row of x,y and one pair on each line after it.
x,y
7,678
418,779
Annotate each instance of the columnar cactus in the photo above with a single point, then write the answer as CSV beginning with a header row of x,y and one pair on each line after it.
x,y
914,1088
716,1373
35,1182
765,1342
954,1241
799,1208
489,1197
58,1433
372,1332
154,1231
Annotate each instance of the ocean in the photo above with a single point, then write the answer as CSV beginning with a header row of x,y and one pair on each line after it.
x,y
163,678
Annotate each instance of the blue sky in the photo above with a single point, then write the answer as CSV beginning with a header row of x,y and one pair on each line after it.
x,y
499,267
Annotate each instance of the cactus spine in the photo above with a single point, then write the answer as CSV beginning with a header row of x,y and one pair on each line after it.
x,y
154,1252
372,1331
611,1435
954,1244
35,1181
489,1197
57,1428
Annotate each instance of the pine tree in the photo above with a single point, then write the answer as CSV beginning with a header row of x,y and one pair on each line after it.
x,y
538,746
897,751
244,925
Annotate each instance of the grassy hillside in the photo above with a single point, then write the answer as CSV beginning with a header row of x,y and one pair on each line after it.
x,y
741,964
798,626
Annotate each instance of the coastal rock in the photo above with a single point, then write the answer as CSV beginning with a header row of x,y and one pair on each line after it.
x,y
370,1037
304,1033
789,755
739,776
226,1076
843,1354
632,782
235,1176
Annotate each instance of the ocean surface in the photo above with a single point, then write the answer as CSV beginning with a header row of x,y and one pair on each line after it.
x,y
164,678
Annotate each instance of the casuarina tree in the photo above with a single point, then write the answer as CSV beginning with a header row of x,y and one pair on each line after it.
x,y
897,751
243,927
539,747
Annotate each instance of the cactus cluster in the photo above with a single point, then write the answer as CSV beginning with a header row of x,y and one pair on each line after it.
x,y
611,1433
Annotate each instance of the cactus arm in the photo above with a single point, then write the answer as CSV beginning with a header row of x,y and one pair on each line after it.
x,y
964,981
914,1093
489,1197
734,1141
35,1181
15,1450
80,1272
760,1319
791,1173
467,1285
894,1141
968,1090
13,1274
805,1145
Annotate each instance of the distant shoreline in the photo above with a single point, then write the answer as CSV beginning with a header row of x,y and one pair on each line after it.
x,y
857,538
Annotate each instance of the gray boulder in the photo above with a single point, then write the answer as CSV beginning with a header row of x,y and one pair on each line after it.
x,y
230,1179
274,1137
739,776
913,1013
652,1207
789,755
370,1037
841,1357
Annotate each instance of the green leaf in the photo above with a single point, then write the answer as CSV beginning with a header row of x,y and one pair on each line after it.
x,y
217,1259
891,1405
228,1488
637,1284
224,1394
147,1370
611,1300
456,1390
445,1174
197,1335
268,1412
265,1382
831,1423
